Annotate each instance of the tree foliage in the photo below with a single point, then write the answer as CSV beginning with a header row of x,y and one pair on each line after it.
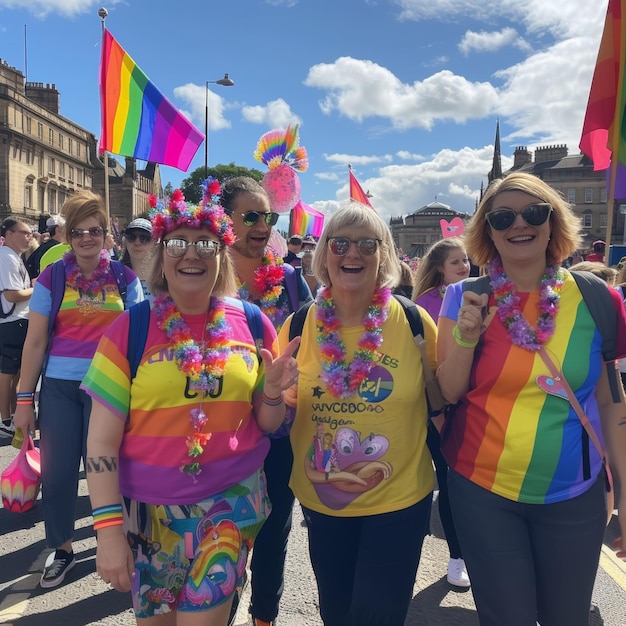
x,y
191,186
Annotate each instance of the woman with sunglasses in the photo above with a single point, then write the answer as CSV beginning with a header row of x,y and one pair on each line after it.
x,y
527,486
361,470
175,452
63,342
138,249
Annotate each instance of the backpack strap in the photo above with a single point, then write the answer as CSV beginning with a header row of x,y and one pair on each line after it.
x,y
297,321
4,315
291,284
255,324
137,334
119,272
412,314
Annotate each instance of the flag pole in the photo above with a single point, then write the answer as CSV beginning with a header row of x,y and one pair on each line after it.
x,y
102,13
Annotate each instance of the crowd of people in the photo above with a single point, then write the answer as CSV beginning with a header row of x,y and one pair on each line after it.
x,y
206,383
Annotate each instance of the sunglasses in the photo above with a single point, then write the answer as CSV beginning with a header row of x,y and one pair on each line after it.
x,y
143,237
205,248
533,215
367,246
95,231
251,218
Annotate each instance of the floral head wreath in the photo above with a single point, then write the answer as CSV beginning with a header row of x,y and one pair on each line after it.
x,y
280,151
166,216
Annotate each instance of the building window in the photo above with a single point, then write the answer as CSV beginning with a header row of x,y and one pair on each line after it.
x,y
78,150
603,220
70,174
588,196
79,177
70,146
571,196
51,137
29,124
52,200
28,196
40,130
602,195
61,141
62,170
587,220
51,167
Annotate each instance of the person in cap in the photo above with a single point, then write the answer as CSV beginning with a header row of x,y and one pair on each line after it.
x,y
294,246
175,453
55,226
597,256
138,248
309,243
56,230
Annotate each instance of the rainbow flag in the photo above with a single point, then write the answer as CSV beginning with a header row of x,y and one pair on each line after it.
x,y
603,132
356,191
137,119
305,220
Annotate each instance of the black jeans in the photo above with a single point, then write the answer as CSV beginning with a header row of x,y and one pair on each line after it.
x,y
529,563
270,547
365,567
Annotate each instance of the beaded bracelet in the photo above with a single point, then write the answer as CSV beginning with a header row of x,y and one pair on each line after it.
x,y
456,333
272,401
25,398
105,516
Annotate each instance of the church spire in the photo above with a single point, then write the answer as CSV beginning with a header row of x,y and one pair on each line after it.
x,y
496,169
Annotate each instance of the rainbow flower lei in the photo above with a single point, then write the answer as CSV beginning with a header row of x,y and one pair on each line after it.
x,y
521,332
268,281
78,281
203,368
341,379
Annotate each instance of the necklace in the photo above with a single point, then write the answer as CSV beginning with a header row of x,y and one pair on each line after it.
x,y
344,380
78,281
268,281
202,365
521,332
442,290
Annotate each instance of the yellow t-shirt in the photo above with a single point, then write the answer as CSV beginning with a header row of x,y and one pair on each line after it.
x,y
366,454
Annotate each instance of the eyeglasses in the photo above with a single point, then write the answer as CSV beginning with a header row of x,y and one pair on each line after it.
x,y
367,246
27,233
143,237
95,231
533,215
251,217
205,248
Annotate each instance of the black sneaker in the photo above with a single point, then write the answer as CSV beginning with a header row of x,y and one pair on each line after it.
x,y
54,573
7,429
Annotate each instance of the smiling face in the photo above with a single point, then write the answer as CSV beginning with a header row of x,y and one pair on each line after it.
x,y
521,242
251,240
87,247
456,267
354,271
190,274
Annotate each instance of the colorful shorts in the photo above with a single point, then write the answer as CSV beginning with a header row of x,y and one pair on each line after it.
x,y
191,557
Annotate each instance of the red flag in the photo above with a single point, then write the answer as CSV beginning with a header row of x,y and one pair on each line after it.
x,y
356,192
603,132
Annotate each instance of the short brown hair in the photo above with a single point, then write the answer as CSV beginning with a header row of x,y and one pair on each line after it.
x,y
80,206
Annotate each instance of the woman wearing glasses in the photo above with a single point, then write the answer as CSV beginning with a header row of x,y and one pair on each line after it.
x,y
138,249
526,483
67,319
175,452
361,471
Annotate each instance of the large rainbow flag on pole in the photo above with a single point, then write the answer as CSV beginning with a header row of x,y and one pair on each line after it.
x,y
603,131
137,119
305,220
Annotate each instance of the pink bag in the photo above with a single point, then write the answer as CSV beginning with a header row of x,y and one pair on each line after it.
x,y
21,480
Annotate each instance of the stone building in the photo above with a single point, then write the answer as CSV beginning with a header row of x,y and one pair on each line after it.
x,y
44,158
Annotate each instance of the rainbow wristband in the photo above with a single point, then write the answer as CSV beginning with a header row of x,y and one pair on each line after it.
x,y
105,516
272,401
456,333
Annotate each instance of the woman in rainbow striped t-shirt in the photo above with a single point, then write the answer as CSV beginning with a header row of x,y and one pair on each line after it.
x,y
526,485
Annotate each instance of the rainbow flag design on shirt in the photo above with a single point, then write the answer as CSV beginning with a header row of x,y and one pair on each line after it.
x,y
137,119
508,435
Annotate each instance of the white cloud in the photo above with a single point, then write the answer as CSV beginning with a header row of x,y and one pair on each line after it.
x,y
276,114
195,97
328,176
405,155
491,41
282,3
42,8
359,89
353,159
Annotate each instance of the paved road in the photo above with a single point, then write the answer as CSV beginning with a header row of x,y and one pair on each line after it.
x,y
85,599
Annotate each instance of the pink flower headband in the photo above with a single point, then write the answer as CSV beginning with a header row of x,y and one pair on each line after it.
x,y
177,214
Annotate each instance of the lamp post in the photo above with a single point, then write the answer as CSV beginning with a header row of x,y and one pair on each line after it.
x,y
224,82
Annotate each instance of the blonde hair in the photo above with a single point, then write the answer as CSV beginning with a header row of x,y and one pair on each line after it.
x,y
607,274
356,215
430,271
565,232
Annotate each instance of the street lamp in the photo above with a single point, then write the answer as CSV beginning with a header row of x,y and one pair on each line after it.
x,y
224,82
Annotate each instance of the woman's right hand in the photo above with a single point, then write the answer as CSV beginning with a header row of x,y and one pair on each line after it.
x,y
24,419
114,559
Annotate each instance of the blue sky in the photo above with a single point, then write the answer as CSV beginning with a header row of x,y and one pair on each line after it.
x,y
407,91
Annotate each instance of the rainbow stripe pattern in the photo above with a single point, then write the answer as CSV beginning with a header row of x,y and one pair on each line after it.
x,y
305,220
603,129
137,119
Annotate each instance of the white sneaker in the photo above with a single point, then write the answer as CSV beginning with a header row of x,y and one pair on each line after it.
x,y
7,429
457,573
